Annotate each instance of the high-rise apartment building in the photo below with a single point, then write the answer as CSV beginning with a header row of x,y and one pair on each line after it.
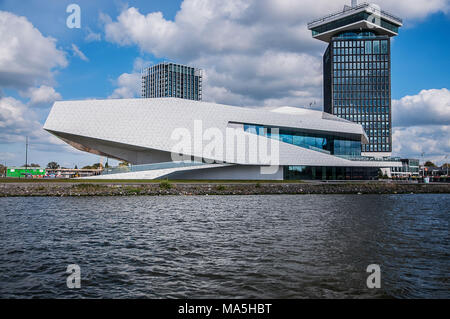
x,y
172,80
357,70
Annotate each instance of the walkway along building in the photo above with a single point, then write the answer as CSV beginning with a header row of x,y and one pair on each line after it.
x,y
357,70
299,143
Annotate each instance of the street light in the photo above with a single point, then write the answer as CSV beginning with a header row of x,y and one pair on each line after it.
x,y
446,164
423,165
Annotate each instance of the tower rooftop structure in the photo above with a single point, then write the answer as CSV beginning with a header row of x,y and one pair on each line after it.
x,y
364,16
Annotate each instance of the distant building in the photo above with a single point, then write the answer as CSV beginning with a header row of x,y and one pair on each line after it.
x,y
72,172
357,70
39,172
434,171
172,80
22,172
409,168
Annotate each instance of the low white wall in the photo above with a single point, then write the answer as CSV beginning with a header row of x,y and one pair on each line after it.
x,y
235,172
153,174
212,172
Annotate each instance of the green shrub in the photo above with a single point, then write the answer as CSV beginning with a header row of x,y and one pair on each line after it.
x,y
165,185
133,190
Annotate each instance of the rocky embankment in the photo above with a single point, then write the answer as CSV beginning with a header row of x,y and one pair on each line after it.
x,y
167,188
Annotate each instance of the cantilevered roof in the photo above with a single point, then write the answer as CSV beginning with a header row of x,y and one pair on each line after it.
x,y
361,17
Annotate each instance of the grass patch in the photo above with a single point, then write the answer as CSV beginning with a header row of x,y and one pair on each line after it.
x,y
139,181
133,190
88,188
221,187
165,185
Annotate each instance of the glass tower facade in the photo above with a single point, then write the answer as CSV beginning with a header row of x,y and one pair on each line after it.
x,y
357,85
172,80
357,70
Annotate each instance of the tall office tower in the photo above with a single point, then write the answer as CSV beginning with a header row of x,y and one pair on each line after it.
x,y
357,70
172,80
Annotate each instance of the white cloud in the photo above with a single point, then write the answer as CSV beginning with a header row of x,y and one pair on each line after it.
x,y
149,31
17,121
422,125
215,26
43,95
77,52
256,52
243,63
272,78
413,9
139,63
429,107
26,56
412,141
129,86
205,27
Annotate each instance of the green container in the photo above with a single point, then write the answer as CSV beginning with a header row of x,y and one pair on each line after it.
x,y
21,172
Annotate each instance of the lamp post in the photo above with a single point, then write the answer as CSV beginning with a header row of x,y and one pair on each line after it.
x,y
26,153
446,164
423,167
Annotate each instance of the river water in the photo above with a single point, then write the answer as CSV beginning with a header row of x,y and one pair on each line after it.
x,y
281,246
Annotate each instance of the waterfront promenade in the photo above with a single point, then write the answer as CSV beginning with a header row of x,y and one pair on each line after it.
x,y
10,188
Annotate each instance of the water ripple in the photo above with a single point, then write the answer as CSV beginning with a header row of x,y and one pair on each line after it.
x,y
226,247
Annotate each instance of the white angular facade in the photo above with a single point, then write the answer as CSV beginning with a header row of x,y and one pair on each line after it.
x,y
215,141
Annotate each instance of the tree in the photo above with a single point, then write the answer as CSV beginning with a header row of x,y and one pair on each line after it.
x,y
2,170
429,164
124,164
76,167
97,166
380,173
34,165
94,166
53,165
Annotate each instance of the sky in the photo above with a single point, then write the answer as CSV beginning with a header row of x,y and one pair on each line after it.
x,y
254,53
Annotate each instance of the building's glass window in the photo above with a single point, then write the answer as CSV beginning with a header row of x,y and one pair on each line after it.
x,y
376,47
368,47
384,47
329,173
328,143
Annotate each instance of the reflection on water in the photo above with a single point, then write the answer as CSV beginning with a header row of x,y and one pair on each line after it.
x,y
231,246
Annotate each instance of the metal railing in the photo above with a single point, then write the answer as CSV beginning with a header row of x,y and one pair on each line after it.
x,y
352,9
356,37
313,148
149,167
369,159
